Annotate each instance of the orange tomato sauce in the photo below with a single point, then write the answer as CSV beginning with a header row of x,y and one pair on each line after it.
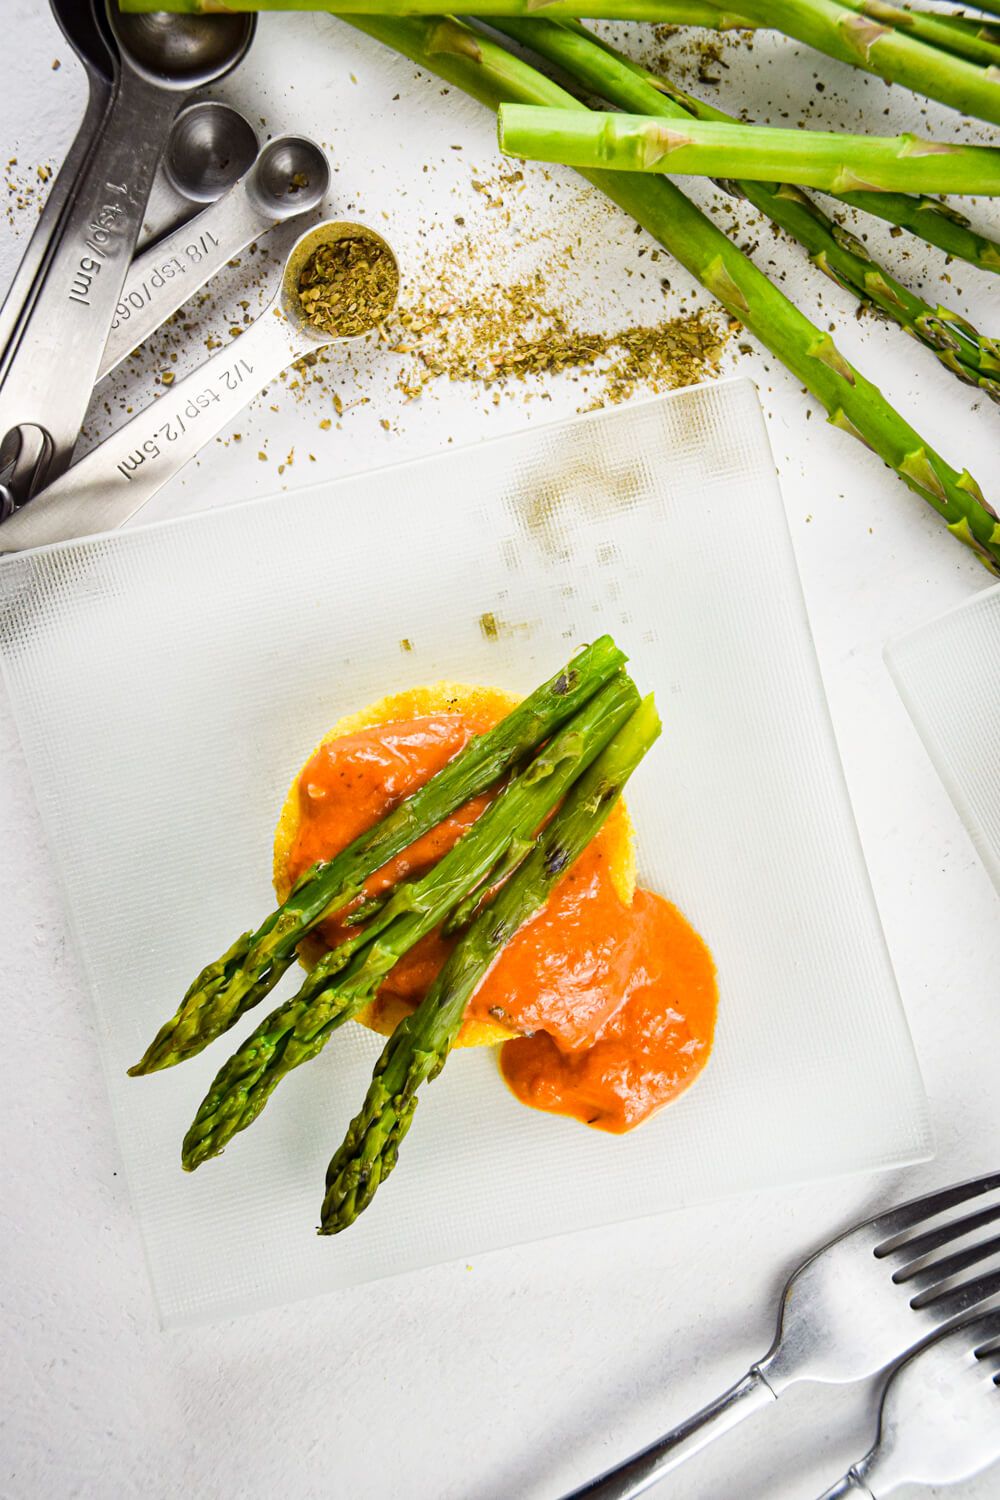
x,y
616,1004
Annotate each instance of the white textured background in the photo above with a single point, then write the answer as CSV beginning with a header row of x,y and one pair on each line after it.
x,y
523,1373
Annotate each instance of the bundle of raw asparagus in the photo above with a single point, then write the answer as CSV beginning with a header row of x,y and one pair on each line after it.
x,y
952,58
561,759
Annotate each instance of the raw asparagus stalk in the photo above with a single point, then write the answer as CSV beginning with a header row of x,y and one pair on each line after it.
x,y
828,25
335,991
991,7
486,70
952,34
972,357
927,218
712,148
838,30
227,988
932,221
418,1048
965,36
602,70
974,40
714,17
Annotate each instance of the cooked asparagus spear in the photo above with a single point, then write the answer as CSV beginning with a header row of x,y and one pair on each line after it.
x,y
713,148
602,70
337,989
226,989
418,1048
483,68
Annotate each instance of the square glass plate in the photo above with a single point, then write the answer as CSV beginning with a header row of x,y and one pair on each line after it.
x,y
169,680
948,675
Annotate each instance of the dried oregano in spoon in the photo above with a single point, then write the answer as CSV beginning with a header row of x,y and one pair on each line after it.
x,y
348,285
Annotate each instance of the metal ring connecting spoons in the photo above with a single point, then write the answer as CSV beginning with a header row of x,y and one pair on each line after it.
x,y
161,59
122,473
290,177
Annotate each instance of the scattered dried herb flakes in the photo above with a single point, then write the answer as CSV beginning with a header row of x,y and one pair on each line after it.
x,y
685,54
474,313
499,333
348,286
27,189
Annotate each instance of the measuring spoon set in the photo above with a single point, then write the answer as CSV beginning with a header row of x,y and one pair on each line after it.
x,y
82,299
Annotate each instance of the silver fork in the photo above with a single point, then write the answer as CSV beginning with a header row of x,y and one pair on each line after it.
x,y
855,1307
940,1419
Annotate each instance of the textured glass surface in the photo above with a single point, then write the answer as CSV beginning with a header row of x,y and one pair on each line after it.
x,y
948,674
169,680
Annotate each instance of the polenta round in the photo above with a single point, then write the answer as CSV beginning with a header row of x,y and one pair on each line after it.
x,y
479,704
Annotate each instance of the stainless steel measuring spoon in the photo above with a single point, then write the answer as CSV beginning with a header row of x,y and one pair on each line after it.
x,y
211,146
49,381
80,29
290,176
122,473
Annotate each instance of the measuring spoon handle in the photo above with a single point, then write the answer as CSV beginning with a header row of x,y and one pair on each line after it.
x,y
54,368
122,473
26,283
165,276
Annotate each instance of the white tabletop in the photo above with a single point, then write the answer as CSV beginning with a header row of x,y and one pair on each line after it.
x,y
517,1375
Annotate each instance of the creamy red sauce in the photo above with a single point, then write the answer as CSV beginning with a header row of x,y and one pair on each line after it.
x,y
616,1004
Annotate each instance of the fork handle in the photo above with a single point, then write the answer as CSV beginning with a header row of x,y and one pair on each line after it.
x,y
848,1488
668,1452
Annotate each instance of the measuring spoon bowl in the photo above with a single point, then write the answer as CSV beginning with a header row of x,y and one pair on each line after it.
x,y
180,52
290,177
122,473
211,147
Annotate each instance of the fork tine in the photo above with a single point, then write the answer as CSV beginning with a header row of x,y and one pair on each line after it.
x,y
906,1215
922,1244
922,1278
959,1300
981,1332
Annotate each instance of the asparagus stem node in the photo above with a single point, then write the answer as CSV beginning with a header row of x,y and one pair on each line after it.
x,y
711,148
